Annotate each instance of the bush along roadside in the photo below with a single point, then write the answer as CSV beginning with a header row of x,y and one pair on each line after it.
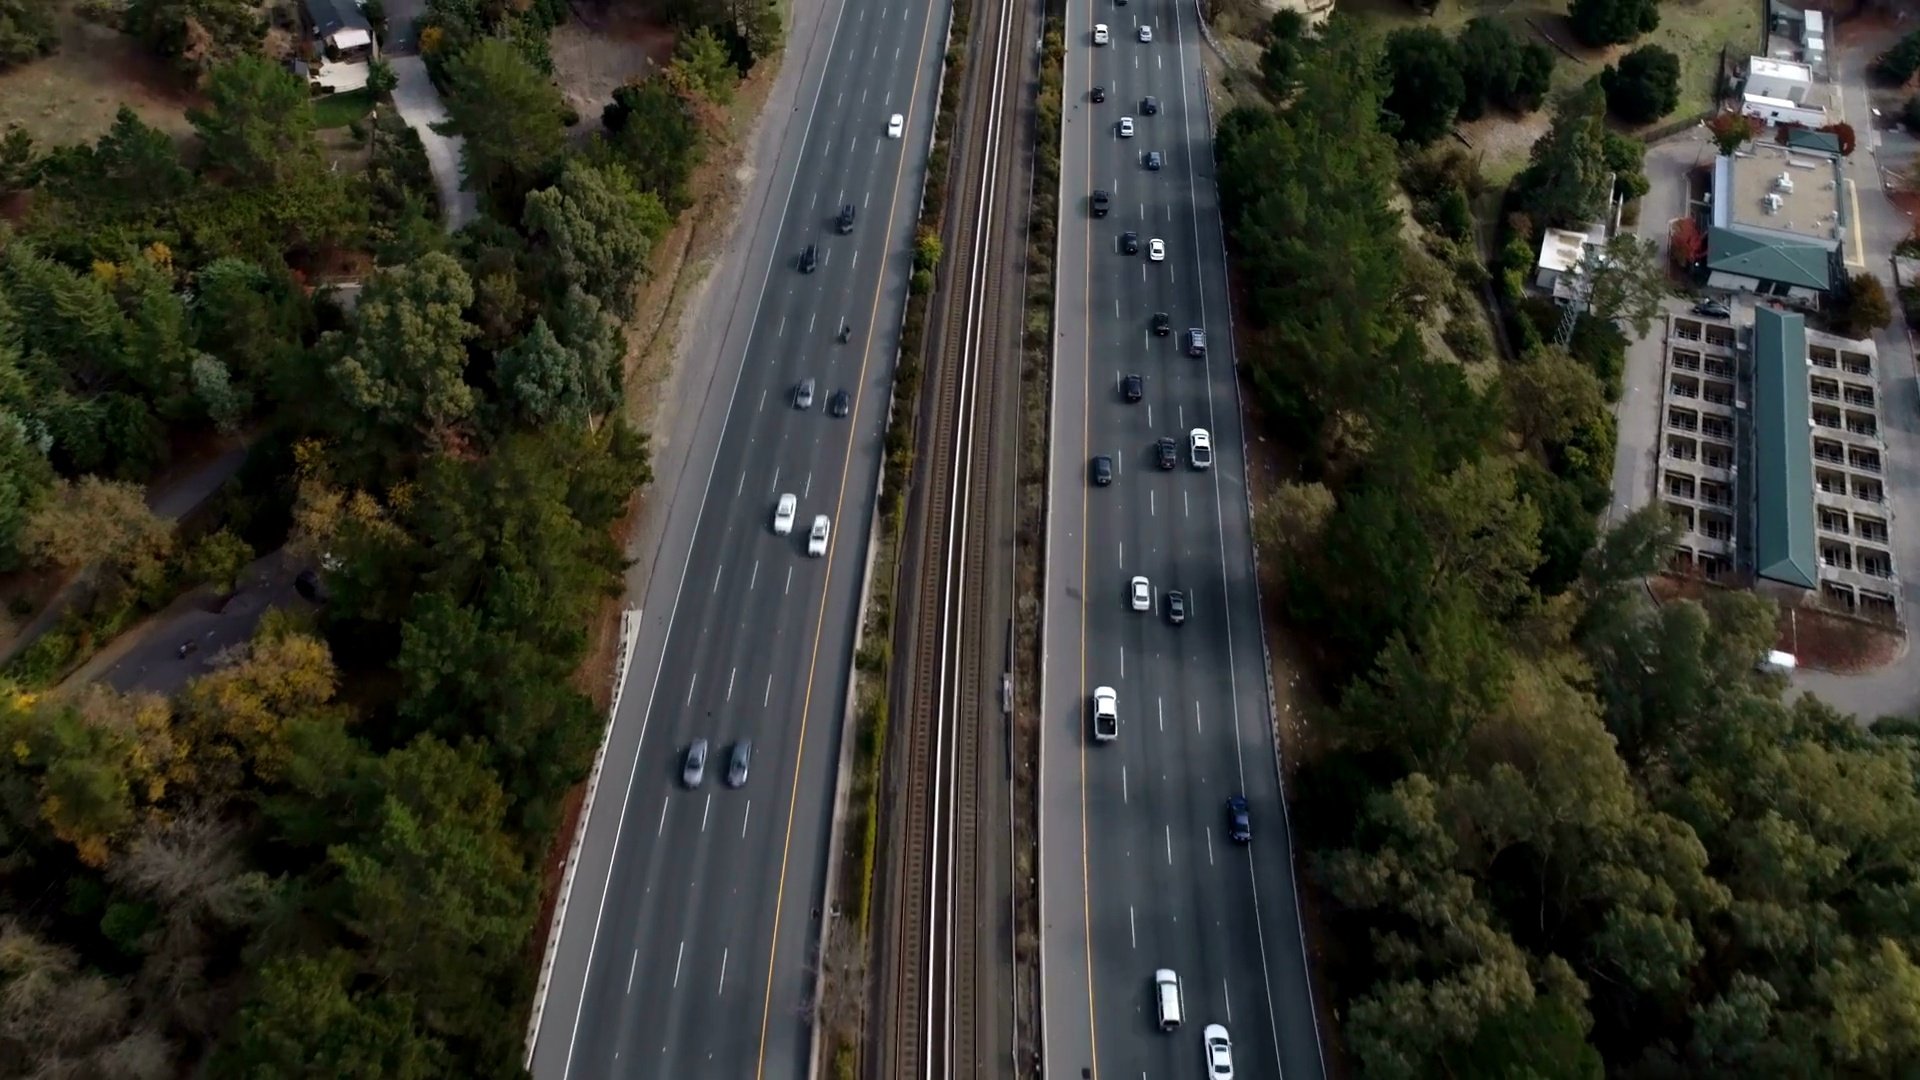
x,y
860,838
1036,381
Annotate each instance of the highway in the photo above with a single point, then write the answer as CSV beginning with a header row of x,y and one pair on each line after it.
x,y
690,928
1137,870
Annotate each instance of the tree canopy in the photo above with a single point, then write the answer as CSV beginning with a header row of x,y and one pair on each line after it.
x,y
1425,84
1644,86
1598,23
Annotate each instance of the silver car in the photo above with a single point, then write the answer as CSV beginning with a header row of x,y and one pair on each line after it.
x,y
694,769
737,763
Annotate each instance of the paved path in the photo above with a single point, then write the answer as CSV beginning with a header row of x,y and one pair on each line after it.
x,y
419,105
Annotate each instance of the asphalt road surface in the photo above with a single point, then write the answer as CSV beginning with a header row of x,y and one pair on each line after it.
x,y
688,940
1138,872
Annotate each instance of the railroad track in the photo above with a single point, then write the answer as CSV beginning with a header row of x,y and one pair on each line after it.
x,y
931,985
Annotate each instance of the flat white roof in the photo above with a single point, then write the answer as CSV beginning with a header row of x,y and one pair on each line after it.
x,y
1816,22
351,38
1560,250
1779,69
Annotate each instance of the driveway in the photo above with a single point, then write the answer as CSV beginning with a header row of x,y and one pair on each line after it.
x,y
419,105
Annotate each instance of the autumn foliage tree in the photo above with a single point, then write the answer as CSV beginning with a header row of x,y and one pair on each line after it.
x,y
1686,244
1732,130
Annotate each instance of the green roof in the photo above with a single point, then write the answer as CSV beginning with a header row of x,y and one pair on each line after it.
x,y
1783,451
1794,262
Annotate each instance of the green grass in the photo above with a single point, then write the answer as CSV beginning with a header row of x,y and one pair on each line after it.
x,y
339,110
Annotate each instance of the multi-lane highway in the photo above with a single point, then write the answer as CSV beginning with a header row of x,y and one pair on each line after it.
x,y
689,932
1137,869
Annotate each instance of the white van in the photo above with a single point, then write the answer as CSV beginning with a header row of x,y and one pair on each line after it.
x,y
1167,998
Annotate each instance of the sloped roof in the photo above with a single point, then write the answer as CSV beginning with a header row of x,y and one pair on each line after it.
x,y
1792,262
1783,451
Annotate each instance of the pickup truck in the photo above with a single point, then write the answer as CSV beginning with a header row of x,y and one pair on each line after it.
x,y
1106,714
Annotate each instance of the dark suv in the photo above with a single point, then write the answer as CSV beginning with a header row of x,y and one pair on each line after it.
x,y
1101,203
809,259
1196,342
1130,243
1102,471
1239,821
846,218
1133,387
1149,105
1099,94
1168,452
1162,324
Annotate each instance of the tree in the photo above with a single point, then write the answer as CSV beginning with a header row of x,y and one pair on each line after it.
x,y
1731,130
655,131
403,359
25,476
196,35
63,1017
1843,132
95,521
1686,245
594,229
1599,23
381,78
19,162
218,559
1498,69
1645,86
244,719
435,842
1865,307
1549,399
1625,281
1425,88
257,127
1897,65
700,59
1566,178
511,118
547,383
27,32
310,1016
1287,34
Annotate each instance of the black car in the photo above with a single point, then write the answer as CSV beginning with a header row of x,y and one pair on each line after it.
x,y
1168,452
1099,94
1154,160
1176,607
809,259
1713,309
1102,202
1130,243
1102,471
1162,324
1150,105
1239,822
845,222
840,404
1133,387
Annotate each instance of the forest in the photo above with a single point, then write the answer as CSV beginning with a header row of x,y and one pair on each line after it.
x,y
325,856
1552,828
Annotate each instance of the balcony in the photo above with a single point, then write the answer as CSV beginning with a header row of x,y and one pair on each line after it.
x,y
1824,389
1822,357
1835,556
1859,457
1834,521
1860,397
1854,363
1870,528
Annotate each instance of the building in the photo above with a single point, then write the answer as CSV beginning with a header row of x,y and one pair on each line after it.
x,y
1562,252
1783,91
1820,511
1778,223
341,45
1797,34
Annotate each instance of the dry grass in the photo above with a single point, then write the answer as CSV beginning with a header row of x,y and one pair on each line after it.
x,y
1694,30
72,96
594,55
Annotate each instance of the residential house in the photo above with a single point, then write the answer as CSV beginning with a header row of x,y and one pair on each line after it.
x,y
341,45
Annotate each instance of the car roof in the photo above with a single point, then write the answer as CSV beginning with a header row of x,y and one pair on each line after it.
x,y
1164,975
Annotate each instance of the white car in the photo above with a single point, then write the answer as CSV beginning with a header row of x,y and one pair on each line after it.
x,y
1100,33
1141,593
817,539
1200,447
895,125
1219,1053
1106,714
783,512
1156,250
1146,33
1126,127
